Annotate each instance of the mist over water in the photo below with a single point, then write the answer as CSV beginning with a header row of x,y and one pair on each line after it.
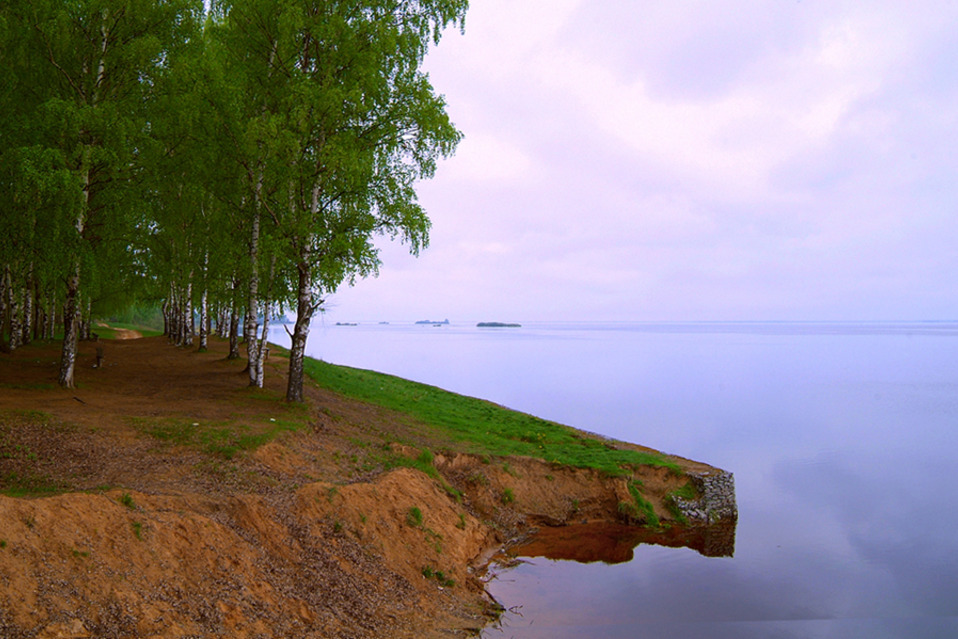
x,y
843,439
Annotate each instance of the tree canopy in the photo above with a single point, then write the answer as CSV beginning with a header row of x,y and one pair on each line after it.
x,y
235,161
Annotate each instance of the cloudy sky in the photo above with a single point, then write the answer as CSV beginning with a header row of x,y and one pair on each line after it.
x,y
633,160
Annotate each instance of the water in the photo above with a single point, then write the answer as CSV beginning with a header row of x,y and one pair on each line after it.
x,y
842,438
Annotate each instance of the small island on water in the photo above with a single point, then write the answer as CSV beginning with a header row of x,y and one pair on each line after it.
x,y
498,325
433,322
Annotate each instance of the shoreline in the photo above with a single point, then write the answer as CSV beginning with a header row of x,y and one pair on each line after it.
x,y
376,510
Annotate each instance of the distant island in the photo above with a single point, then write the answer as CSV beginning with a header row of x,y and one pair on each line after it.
x,y
434,323
346,324
497,325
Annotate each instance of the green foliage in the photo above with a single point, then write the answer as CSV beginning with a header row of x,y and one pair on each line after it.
x,y
686,492
127,501
640,509
27,484
481,427
508,496
414,517
431,573
150,157
225,439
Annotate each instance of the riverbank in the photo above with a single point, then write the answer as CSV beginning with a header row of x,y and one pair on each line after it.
x,y
164,498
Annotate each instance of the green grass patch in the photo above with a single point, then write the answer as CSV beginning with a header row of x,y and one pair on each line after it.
x,y
481,427
686,492
431,573
389,460
27,484
222,438
640,509
414,517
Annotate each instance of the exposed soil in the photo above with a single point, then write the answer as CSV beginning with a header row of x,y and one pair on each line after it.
x,y
149,530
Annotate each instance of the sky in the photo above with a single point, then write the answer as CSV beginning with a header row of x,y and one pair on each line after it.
x,y
693,160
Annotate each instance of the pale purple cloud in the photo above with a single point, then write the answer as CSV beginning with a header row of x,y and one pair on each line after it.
x,y
701,160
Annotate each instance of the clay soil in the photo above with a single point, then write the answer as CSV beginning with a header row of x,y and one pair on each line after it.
x,y
138,509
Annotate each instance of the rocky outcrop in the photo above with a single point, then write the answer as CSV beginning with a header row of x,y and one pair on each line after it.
x,y
715,501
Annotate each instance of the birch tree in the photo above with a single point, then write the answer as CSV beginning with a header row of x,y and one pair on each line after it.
x,y
348,123
102,57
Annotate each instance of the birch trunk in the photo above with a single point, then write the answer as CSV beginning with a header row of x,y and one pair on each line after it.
x,y
70,312
86,318
3,307
234,333
51,318
250,326
263,350
28,308
189,324
15,308
204,307
305,307
68,351
71,327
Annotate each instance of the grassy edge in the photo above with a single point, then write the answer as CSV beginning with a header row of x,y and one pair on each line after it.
x,y
481,427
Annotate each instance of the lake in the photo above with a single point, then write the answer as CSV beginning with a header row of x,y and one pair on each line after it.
x,y
843,438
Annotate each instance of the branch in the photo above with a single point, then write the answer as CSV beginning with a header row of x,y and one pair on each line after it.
x,y
53,61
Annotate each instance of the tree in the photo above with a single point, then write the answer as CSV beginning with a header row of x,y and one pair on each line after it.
x,y
344,122
102,58
246,166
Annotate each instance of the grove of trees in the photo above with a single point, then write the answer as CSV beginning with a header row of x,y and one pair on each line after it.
x,y
230,161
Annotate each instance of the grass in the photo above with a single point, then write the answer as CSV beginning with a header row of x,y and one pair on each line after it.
x,y
220,438
14,484
430,573
686,492
640,509
481,427
414,517
423,462
110,333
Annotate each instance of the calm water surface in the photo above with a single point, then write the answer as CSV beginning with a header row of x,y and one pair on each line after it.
x,y
842,438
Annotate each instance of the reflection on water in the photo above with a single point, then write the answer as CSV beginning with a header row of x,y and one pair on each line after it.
x,y
842,438
616,543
